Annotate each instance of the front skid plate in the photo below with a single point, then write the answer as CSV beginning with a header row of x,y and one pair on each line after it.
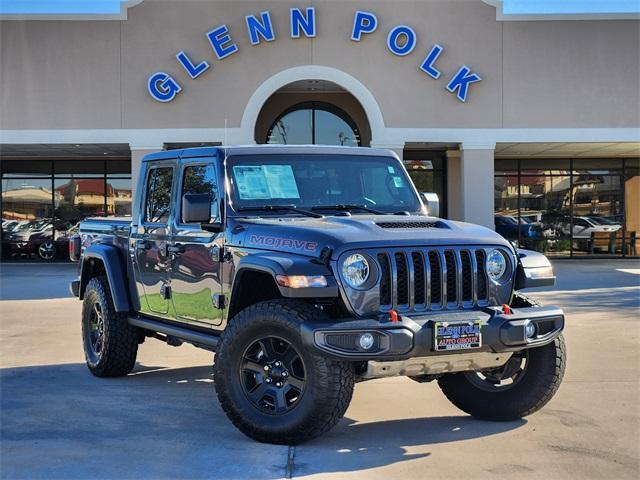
x,y
433,365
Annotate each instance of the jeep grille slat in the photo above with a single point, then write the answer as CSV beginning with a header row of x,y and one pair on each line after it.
x,y
403,278
432,279
385,279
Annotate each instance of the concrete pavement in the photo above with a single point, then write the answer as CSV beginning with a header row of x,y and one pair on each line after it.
x,y
163,421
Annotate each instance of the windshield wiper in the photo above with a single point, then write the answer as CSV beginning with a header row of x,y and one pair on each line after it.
x,y
275,208
343,207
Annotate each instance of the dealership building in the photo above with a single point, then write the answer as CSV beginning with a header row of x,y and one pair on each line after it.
x,y
526,123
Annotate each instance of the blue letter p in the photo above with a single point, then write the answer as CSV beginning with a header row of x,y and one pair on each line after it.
x,y
363,22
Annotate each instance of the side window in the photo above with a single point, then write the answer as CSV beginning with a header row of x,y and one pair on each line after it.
x,y
158,195
202,179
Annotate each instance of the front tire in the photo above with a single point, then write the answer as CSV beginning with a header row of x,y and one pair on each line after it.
x,y
273,388
521,387
110,342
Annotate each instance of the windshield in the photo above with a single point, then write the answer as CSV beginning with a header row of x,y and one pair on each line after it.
x,y
312,182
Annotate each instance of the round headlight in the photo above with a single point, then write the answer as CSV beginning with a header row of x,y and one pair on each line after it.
x,y
496,264
355,270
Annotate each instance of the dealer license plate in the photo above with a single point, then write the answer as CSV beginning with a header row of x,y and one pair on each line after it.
x,y
457,335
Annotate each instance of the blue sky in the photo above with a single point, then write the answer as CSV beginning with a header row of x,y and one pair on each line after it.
x,y
59,6
510,6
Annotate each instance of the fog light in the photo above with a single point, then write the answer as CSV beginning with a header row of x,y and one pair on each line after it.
x,y
366,341
530,330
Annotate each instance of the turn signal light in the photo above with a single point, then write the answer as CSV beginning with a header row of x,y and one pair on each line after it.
x,y
301,281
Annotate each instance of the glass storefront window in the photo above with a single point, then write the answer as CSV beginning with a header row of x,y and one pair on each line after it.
x,y
314,123
27,228
118,196
568,207
427,171
631,189
545,166
78,198
43,201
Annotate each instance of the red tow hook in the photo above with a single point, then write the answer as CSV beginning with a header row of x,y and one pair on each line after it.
x,y
393,316
506,309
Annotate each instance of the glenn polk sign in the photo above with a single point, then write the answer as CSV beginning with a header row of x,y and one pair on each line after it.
x,y
401,40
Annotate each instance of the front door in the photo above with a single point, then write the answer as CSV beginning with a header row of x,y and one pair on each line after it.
x,y
150,240
195,253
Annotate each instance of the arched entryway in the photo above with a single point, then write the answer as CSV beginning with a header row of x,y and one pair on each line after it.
x,y
313,112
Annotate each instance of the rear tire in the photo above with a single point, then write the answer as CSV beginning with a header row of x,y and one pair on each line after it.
x,y
110,342
272,387
531,388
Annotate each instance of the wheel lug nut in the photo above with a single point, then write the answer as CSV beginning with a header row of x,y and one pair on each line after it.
x,y
279,384
266,368
268,380
285,374
278,364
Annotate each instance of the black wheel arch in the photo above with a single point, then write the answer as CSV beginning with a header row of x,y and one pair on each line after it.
x,y
263,268
100,259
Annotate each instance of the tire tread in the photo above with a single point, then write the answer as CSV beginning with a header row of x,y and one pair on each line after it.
x,y
335,378
121,339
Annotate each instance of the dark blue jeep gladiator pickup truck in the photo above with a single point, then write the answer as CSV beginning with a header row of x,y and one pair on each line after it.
x,y
306,269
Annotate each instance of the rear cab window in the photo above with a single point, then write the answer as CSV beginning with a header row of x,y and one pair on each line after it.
x,y
158,195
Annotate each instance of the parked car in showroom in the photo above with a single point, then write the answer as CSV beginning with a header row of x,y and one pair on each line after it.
x,y
37,239
582,227
513,229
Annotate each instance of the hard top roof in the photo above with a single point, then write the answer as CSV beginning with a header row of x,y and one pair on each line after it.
x,y
267,149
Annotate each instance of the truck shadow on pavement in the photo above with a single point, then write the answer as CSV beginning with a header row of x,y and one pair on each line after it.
x,y
167,423
352,446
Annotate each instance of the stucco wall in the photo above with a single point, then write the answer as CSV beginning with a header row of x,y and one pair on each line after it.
x,y
78,74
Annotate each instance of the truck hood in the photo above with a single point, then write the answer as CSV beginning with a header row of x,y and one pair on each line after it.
x,y
308,236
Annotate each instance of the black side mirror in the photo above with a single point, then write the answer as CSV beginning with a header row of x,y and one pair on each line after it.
x,y
196,208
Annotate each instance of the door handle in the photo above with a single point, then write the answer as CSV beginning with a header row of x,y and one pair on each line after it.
x,y
176,249
143,245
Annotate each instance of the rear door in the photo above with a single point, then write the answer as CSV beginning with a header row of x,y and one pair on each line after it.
x,y
151,238
195,253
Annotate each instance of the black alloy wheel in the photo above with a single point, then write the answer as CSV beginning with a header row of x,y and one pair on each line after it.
x,y
501,378
272,374
95,337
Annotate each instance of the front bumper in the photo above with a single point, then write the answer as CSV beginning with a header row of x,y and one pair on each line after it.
x,y
411,337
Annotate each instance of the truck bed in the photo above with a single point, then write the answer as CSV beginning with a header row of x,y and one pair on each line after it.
x,y
110,230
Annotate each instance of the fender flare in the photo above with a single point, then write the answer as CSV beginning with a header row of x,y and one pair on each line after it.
x,y
274,264
114,268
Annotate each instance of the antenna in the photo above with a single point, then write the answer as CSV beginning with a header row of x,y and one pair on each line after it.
x,y
226,181
225,139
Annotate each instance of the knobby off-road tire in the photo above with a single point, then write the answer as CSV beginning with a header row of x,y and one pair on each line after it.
x,y
538,384
110,342
323,387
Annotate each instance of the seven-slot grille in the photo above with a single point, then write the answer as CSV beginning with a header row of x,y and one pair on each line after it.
x,y
432,279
